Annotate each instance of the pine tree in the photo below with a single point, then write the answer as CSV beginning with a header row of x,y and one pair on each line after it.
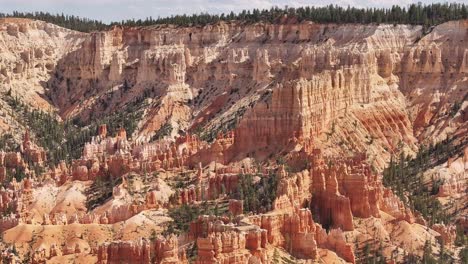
x,y
427,254
276,257
417,14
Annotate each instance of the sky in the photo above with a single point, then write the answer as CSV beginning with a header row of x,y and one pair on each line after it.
x,y
116,10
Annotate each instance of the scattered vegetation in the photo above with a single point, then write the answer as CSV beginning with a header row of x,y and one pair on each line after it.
x,y
258,196
8,143
65,140
17,173
165,130
9,209
276,257
455,108
192,252
463,255
415,14
461,240
182,180
223,126
405,177
185,214
288,260
332,131
371,255
100,191
427,254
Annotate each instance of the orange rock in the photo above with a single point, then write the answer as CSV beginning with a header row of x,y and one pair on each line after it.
x,y
2,173
13,160
80,173
124,251
102,131
332,208
447,233
236,207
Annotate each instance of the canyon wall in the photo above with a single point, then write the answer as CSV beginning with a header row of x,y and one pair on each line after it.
x,y
353,85
321,107
30,52
373,88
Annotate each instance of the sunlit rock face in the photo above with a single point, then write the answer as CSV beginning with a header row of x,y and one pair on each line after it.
x,y
322,107
371,88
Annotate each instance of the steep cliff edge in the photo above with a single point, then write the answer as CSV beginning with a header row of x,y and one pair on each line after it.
x,y
30,52
375,88
434,81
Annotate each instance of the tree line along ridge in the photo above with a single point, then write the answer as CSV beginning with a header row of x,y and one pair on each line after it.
x,y
414,14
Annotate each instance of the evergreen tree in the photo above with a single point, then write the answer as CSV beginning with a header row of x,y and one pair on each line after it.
x,y
428,258
405,176
416,14
276,257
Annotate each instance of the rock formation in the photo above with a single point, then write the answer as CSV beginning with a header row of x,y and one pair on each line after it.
x,y
161,250
319,108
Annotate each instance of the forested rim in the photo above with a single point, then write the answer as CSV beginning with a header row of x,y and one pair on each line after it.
x,y
415,14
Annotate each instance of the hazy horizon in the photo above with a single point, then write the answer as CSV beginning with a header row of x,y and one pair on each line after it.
x,y
117,10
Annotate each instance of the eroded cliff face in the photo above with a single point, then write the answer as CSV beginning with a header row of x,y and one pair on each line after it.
x,y
323,212
332,101
30,52
433,79
378,89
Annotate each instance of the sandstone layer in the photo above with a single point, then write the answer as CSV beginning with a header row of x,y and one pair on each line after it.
x,y
315,110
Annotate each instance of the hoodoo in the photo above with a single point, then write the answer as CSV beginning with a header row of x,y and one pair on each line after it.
x,y
277,136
